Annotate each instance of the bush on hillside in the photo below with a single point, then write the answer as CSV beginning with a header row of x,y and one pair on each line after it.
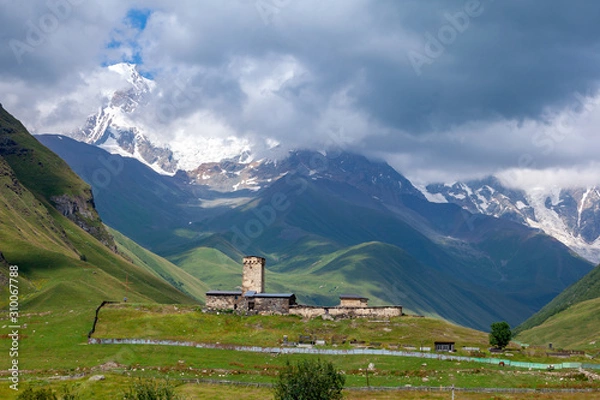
x,y
309,380
44,393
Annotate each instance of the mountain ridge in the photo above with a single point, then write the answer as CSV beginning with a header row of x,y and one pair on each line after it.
x,y
572,215
60,264
316,206
132,118
51,180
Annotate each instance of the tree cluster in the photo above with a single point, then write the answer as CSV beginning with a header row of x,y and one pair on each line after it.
x,y
309,380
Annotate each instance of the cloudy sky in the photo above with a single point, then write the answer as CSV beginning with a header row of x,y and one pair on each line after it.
x,y
442,90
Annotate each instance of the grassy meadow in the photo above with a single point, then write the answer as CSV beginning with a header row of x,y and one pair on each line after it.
x,y
559,328
71,357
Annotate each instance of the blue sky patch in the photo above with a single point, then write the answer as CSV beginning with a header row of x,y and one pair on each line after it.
x,y
138,18
135,20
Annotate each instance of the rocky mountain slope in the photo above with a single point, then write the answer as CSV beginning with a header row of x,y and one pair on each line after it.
x,y
49,177
572,215
51,230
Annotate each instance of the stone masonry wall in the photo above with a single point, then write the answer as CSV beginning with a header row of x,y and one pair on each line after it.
x,y
253,275
353,302
272,305
347,312
221,302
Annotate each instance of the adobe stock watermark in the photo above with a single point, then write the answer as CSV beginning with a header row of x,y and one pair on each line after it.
x,y
269,9
112,165
436,44
548,139
182,97
266,215
14,326
39,30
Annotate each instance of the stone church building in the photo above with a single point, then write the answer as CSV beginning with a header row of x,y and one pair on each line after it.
x,y
253,300
252,297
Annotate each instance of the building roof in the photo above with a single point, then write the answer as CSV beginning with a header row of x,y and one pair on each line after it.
x,y
259,257
352,296
223,293
252,293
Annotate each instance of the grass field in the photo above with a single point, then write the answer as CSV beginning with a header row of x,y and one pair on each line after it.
x,y
574,328
187,323
160,267
114,385
70,355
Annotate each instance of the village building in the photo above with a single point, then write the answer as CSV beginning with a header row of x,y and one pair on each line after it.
x,y
252,299
444,346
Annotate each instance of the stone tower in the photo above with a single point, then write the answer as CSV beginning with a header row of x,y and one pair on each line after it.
x,y
253,278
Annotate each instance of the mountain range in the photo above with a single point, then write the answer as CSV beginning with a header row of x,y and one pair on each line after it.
x,y
120,126
133,119
329,224
572,215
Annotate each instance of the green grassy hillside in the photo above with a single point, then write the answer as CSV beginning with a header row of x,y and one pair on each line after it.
x,y
82,278
570,320
160,267
48,177
573,328
65,258
587,288
25,219
37,167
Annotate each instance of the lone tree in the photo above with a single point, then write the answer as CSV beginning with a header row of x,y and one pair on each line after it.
x,y
500,334
309,380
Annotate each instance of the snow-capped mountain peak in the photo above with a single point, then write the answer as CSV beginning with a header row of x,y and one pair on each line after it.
x,y
121,126
133,76
571,215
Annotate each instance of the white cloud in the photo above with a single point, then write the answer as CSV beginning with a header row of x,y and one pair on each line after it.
x,y
546,179
67,106
327,73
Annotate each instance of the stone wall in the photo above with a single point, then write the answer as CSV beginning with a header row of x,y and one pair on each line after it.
x,y
271,306
222,302
253,278
346,312
353,302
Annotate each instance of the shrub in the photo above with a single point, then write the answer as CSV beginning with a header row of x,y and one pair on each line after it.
x,y
37,394
309,380
46,394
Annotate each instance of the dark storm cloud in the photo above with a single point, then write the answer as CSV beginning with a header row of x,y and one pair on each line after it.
x,y
443,85
512,61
